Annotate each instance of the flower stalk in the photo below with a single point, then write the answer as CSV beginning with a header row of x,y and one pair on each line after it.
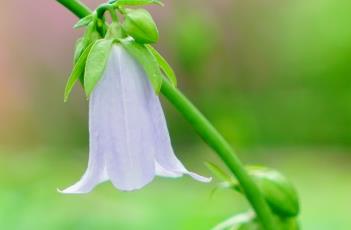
x,y
208,133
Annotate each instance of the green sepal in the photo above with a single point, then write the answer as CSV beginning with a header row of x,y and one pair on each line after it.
x,y
165,67
77,72
89,37
147,60
96,64
84,21
135,2
279,193
140,25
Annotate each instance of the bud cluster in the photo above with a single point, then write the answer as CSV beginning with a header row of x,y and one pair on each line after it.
x,y
136,32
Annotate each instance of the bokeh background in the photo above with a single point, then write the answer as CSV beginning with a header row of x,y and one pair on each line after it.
x,y
273,76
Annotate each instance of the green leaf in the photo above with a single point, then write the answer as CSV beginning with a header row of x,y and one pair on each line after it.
x,y
218,172
147,60
84,21
77,71
166,68
79,48
90,36
140,25
96,63
136,2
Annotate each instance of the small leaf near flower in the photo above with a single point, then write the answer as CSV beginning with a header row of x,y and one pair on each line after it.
x,y
84,21
135,2
77,71
79,48
140,25
218,172
165,67
96,63
89,37
147,60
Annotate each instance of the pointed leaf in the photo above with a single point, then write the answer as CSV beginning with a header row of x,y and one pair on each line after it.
x,y
166,68
77,71
135,2
84,21
96,63
79,48
218,172
90,36
147,60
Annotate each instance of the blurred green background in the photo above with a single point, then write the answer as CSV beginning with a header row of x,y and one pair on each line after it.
x,y
273,76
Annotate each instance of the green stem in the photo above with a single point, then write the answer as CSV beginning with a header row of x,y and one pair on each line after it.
x,y
208,133
76,7
215,140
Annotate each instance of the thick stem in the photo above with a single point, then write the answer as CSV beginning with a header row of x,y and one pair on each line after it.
x,y
208,133
76,7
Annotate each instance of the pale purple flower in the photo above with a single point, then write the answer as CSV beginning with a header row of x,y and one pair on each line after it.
x,y
129,139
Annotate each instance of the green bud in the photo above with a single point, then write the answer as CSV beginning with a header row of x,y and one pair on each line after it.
x,y
279,193
114,31
140,25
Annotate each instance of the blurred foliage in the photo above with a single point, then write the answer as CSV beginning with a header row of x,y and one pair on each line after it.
x,y
279,76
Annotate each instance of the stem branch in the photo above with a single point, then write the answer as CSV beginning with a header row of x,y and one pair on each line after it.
x,y
208,133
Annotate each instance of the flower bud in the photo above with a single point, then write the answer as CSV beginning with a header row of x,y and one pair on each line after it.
x,y
140,25
114,31
277,190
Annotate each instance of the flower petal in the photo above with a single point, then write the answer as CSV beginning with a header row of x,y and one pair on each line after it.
x,y
160,171
96,171
165,156
126,136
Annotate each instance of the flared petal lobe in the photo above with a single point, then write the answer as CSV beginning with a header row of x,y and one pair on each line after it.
x,y
167,162
96,171
129,139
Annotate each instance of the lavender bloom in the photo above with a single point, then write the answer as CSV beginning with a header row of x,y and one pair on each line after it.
x,y
129,139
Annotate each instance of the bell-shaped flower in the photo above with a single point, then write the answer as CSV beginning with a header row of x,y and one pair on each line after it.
x,y
129,139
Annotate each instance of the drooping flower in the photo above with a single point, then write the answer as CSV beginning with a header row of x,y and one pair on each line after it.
x,y
128,134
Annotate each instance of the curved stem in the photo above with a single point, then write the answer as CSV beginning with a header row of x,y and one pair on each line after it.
x,y
100,11
215,140
209,134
